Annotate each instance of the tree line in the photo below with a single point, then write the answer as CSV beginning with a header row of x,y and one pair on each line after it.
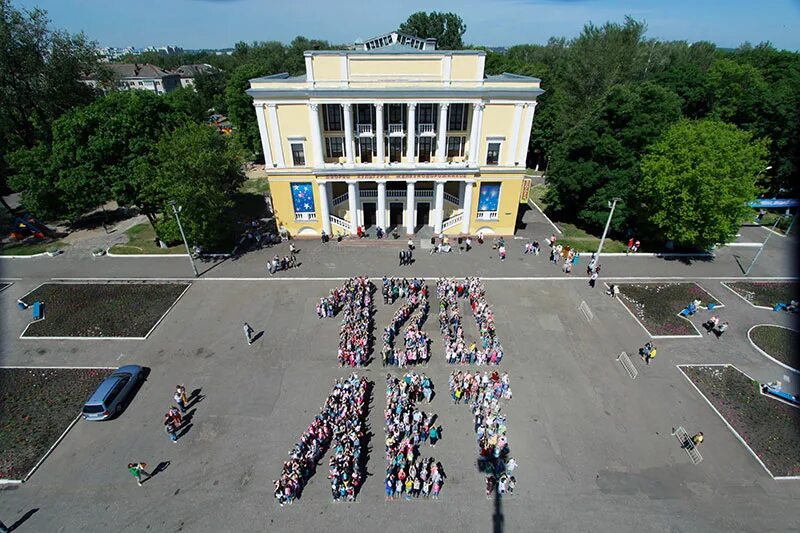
x,y
622,116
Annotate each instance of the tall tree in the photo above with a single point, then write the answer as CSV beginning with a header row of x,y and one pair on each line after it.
x,y
240,107
697,179
200,171
40,69
447,28
599,157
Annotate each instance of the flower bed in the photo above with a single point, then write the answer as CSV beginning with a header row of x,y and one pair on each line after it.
x,y
36,407
657,305
101,309
780,343
769,427
765,293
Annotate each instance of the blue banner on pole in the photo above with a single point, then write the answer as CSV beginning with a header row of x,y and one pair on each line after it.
x,y
775,202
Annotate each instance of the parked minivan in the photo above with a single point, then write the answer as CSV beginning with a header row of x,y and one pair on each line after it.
x,y
110,396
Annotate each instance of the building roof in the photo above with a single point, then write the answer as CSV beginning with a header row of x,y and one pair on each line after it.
x,y
509,76
135,70
281,76
389,50
190,71
400,94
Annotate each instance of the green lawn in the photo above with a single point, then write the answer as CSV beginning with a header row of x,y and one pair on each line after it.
x,y
537,193
770,218
31,248
255,185
585,242
141,240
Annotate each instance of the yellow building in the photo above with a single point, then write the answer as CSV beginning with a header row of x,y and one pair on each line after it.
x,y
396,134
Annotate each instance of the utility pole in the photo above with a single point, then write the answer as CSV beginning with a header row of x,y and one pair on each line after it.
x,y
183,235
747,272
605,231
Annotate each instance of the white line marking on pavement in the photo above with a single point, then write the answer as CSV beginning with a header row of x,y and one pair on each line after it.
x,y
486,278
545,216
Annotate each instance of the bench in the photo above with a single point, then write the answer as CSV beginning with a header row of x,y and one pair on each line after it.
x,y
38,310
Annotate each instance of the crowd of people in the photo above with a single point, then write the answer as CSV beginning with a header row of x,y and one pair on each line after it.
x,y
354,297
341,420
416,344
407,428
484,393
489,351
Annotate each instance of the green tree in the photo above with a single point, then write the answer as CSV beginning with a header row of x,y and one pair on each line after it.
x,y
736,93
696,180
447,28
187,100
211,88
599,157
40,69
240,107
201,171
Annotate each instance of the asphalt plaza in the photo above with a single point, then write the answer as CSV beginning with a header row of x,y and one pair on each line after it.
x,y
594,447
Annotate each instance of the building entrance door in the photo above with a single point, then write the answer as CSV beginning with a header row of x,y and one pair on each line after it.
x,y
395,214
423,214
370,214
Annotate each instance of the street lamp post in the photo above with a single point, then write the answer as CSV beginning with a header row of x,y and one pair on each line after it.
x,y
764,244
183,235
605,231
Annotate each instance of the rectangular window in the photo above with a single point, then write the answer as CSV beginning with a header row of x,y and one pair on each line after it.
x,y
298,155
332,117
455,146
425,114
395,114
493,154
334,146
457,117
364,113
366,150
395,149
425,149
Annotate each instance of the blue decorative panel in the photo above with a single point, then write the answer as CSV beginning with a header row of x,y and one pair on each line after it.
x,y
489,197
303,197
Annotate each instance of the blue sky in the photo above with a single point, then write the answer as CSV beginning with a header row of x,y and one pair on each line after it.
x,y
221,23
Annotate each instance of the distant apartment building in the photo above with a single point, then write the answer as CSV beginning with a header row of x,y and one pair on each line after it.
x,y
137,76
189,72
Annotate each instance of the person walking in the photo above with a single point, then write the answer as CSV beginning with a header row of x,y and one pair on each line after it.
x,y
248,333
593,279
722,328
647,355
697,439
502,252
409,257
137,470
180,398
434,436
468,244
402,257
171,429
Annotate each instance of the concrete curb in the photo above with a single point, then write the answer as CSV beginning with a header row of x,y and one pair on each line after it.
x,y
726,422
23,256
109,254
765,354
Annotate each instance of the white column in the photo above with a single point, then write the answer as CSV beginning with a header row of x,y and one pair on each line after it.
x,y
262,131
513,147
467,206
379,133
410,205
525,139
316,134
474,134
381,218
323,200
350,149
352,197
439,209
277,149
411,134
441,137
